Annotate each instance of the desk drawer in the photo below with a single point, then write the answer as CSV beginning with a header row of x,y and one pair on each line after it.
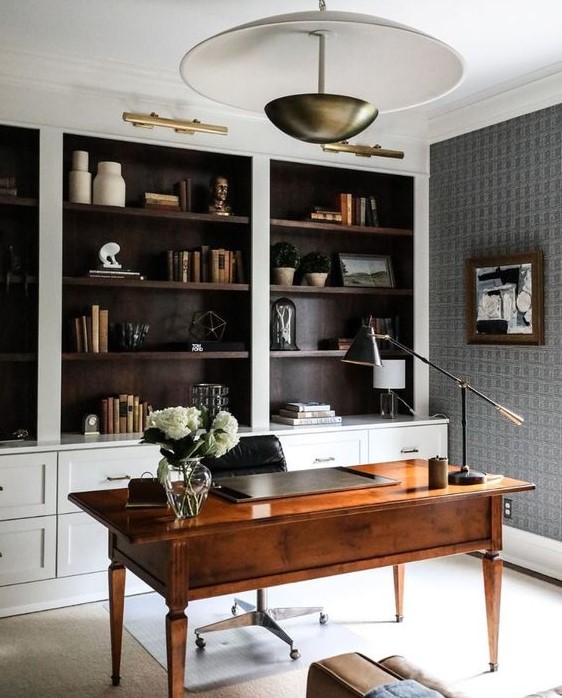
x,y
28,485
328,449
27,550
102,469
402,443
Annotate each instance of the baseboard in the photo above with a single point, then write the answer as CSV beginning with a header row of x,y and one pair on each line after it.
x,y
535,553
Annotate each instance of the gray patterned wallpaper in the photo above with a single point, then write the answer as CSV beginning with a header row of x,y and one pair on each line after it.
x,y
496,191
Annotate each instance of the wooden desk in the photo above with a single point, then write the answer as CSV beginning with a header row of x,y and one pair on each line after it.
x,y
293,539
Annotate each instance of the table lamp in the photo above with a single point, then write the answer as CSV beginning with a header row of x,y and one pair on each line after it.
x,y
364,350
390,376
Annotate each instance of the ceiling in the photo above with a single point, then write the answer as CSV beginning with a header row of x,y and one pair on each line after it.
x,y
135,46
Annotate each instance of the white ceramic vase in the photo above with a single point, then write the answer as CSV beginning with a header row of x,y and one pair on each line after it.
x,y
79,179
109,185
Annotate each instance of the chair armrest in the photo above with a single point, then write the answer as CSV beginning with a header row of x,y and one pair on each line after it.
x,y
408,670
346,676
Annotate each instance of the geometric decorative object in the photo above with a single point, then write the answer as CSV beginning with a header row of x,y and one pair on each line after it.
x,y
206,325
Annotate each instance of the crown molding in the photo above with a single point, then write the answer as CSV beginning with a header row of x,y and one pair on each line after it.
x,y
512,102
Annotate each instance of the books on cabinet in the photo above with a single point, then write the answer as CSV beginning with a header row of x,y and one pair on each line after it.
x,y
306,414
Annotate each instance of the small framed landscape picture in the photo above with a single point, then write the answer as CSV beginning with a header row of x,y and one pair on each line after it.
x,y
366,270
504,301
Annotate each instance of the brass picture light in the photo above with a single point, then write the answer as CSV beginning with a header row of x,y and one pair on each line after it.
x,y
179,126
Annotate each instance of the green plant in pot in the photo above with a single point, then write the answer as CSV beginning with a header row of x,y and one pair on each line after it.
x,y
285,259
315,267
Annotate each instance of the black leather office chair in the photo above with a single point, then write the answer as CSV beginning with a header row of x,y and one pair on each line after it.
x,y
251,456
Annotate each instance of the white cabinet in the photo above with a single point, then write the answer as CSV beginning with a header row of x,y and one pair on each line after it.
x,y
325,449
28,485
27,549
82,545
404,442
102,469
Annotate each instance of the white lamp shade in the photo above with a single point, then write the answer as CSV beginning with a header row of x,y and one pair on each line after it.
x,y
391,375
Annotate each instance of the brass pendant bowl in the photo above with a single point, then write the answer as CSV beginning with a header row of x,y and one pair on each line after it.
x,y
319,117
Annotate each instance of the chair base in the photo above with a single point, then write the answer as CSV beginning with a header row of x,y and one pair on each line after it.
x,y
262,616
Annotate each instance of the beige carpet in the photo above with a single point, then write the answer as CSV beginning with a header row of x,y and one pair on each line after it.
x,y
60,653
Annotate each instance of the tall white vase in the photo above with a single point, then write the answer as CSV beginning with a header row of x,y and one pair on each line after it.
x,y
79,179
109,185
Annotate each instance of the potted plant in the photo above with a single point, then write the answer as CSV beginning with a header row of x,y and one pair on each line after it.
x,y
284,261
315,267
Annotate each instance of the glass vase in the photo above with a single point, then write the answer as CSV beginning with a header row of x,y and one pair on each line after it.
x,y
187,487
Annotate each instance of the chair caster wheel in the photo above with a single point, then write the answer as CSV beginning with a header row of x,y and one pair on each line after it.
x,y
295,654
234,610
323,618
200,642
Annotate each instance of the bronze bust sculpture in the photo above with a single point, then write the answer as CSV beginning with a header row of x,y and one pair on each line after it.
x,y
219,193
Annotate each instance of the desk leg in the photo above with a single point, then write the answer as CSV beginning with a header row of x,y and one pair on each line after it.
x,y
116,574
176,621
492,567
398,571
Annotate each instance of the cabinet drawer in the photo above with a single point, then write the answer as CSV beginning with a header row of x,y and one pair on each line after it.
x,y
401,443
306,451
27,550
28,485
81,545
102,469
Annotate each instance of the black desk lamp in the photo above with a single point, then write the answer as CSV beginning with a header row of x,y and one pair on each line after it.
x,y
364,350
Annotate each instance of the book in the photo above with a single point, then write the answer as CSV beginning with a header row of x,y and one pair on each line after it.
x,y
116,421
161,198
110,421
205,252
95,329
240,276
304,406
307,414
302,422
107,272
122,413
130,413
104,330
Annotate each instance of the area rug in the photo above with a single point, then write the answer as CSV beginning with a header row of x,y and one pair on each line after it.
x,y
235,655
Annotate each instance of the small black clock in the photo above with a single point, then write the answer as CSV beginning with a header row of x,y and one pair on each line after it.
x,y
91,424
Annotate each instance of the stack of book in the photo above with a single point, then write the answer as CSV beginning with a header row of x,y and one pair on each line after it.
x,y
326,215
164,202
358,210
114,273
90,331
205,264
123,414
8,186
306,413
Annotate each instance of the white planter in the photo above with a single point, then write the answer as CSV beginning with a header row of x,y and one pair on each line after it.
x,y
283,276
316,278
109,185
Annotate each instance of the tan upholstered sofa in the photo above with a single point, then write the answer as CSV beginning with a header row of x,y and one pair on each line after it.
x,y
353,675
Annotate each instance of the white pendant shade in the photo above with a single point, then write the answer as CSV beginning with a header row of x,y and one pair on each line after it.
x,y
390,65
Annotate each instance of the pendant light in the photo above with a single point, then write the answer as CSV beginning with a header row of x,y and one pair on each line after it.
x,y
371,63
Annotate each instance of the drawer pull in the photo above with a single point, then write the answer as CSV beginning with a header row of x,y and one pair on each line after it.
x,y
118,477
329,459
413,449
1,488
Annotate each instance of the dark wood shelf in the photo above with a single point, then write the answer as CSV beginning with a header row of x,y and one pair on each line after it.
x,y
26,201
17,357
327,354
155,213
124,356
18,279
148,284
339,228
341,290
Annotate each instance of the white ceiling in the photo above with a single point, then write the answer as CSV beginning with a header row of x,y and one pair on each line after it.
x,y
135,46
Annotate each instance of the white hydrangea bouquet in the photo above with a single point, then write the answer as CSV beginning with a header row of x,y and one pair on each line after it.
x,y
185,435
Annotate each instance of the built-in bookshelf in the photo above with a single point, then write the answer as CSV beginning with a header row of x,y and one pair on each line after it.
x,y
335,311
19,243
164,369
